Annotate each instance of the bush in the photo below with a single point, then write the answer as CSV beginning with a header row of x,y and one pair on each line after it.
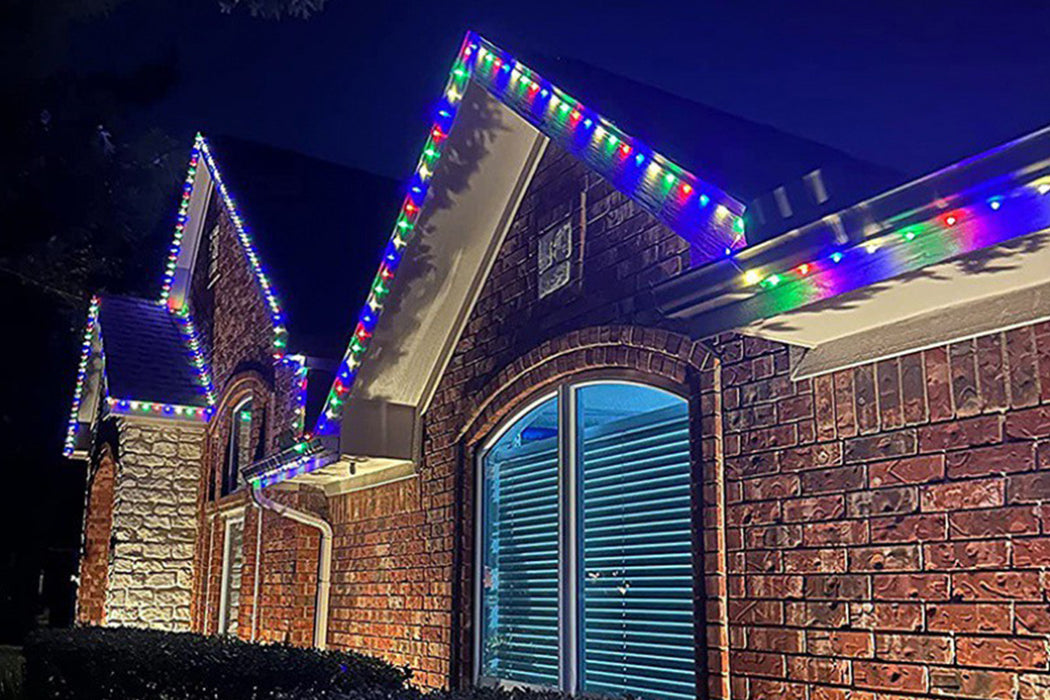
x,y
96,663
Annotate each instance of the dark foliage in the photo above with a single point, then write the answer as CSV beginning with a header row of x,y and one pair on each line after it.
x,y
95,663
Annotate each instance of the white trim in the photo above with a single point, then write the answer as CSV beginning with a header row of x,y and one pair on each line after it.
x,y
224,587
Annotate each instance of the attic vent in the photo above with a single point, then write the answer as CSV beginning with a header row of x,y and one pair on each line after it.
x,y
781,196
815,180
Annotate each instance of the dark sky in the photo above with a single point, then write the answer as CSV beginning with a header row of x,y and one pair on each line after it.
x,y
909,84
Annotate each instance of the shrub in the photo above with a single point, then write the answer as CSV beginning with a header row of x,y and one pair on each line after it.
x,y
98,663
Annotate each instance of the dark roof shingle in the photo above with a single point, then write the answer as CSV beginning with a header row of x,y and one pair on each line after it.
x,y
146,358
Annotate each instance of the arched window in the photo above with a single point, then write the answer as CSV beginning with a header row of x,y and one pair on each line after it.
x,y
585,545
238,446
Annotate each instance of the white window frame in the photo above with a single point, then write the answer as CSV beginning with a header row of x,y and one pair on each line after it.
x,y
569,580
224,588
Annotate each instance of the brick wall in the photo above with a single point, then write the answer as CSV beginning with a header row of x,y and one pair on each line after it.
x,y
153,525
239,335
402,582
889,525
98,526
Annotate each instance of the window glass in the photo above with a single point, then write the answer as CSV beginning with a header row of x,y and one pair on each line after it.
x,y
238,446
519,621
637,579
586,580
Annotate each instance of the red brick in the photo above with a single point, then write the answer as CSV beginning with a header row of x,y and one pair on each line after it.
x,y
966,555
774,586
920,587
823,692
880,446
771,487
818,670
867,402
914,648
775,639
963,361
956,495
969,618
834,479
971,683
999,652
1033,619
1031,424
908,528
814,561
834,613
996,586
855,645
756,612
759,663
1028,488
845,412
836,587
897,558
954,435
1034,553
913,388
765,689
994,522
886,616
889,676
903,499
938,383
795,408
814,456
985,461
835,532
824,406
909,470
816,508
1024,368
1034,686
991,373
888,380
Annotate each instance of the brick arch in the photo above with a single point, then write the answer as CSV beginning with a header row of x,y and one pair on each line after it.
x,y
664,356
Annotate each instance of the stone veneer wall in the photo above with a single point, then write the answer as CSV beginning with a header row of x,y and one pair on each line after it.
x,y
154,525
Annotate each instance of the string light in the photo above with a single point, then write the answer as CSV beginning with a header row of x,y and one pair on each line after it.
x,y
251,254
73,427
872,246
153,409
181,219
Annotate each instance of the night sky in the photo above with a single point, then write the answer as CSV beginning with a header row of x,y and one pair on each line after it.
x,y
913,85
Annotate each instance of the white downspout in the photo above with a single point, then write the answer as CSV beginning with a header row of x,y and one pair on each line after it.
x,y
258,568
324,565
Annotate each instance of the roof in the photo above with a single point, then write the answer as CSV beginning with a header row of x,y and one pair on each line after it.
x,y
319,228
146,358
745,158
713,161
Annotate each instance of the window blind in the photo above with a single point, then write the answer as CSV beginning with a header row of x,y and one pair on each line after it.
x,y
520,633
637,588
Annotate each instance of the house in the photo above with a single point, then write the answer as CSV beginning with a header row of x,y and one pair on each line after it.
x,y
739,417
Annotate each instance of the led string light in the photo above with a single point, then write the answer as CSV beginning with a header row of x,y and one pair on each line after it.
x,y
682,197
73,427
251,254
914,234
667,190
156,409
404,228
300,383
181,219
192,341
